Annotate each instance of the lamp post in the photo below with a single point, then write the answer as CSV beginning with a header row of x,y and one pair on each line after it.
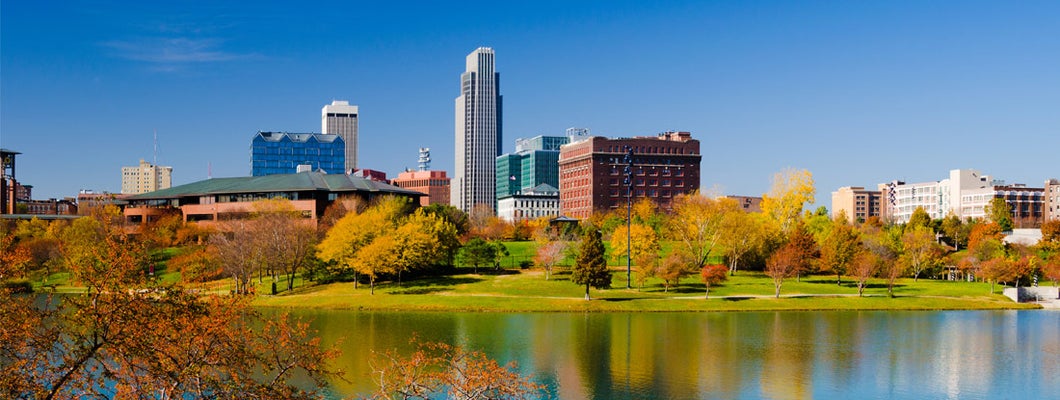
x,y
629,212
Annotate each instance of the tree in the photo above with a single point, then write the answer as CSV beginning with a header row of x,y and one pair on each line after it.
x,y
838,250
288,240
131,336
790,191
673,268
783,264
956,231
696,225
380,256
1051,268
1050,241
864,266
238,253
477,252
999,269
919,219
807,251
590,267
646,266
452,215
643,239
999,212
549,254
435,369
356,230
741,232
920,250
713,275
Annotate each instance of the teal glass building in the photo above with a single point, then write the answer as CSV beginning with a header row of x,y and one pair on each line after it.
x,y
535,162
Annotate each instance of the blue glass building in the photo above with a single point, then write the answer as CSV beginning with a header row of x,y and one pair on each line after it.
x,y
273,153
535,162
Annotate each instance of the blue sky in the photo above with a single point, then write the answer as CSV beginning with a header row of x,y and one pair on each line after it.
x,y
859,92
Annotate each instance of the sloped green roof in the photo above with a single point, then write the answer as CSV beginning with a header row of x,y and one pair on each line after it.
x,y
305,181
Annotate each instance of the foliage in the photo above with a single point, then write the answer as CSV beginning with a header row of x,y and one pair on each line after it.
x,y
590,267
919,219
197,264
838,250
713,275
355,231
238,253
920,251
807,252
478,252
643,239
646,267
783,264
1051,268
452,215
999,269
864,266
286,241
674,267
549,254
697,225
1050,241
999,212
437,369
741,233
790,191
129,336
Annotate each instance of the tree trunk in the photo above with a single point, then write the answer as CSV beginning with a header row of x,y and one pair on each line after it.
x,y
548,272
371,283
778,291
838,279
587,292
861,288
707,294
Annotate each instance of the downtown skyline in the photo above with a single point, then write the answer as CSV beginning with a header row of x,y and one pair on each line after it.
x,y
858,94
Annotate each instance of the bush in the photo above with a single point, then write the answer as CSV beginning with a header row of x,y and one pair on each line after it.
x,y
526,264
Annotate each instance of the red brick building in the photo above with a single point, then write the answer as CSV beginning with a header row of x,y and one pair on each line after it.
x,y
592,172
435,184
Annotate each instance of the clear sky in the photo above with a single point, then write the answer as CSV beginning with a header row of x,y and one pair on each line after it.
x,y
858,92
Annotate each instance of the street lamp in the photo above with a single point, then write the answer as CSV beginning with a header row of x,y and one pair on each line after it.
x,y
629,208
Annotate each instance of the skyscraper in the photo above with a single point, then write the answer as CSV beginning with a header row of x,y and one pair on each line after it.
x,y
340,118
478,133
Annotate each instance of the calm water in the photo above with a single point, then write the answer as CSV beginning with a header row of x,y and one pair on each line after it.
x,y
781,355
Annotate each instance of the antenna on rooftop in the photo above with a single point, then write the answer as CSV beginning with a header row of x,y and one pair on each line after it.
x,y
425,159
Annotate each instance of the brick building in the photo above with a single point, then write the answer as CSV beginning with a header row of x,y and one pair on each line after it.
x,y
1051,208
435,184
857,203
592,172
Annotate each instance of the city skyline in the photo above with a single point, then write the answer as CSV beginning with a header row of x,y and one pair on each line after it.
x,y
859,94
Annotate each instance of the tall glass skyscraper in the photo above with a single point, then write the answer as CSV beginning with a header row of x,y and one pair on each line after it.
x,y
478,133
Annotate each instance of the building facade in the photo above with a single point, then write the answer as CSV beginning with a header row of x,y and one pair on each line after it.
x,y
592,172
965,194
748,203
435,184
145,178
274,153
539,202
478,132
221,199
1051,208
534,162
856,203
340,118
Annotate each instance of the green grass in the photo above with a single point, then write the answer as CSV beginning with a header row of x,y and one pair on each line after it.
x,y
528,291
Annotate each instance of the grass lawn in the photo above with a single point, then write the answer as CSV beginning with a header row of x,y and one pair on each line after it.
x,y
528,291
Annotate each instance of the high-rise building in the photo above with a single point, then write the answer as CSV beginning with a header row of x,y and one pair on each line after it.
x,y
478,133
1051,208
592,172
274,153
535,162
340,118
145,178
965,194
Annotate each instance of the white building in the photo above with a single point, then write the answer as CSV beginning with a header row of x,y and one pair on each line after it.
x,y
541,201
340,118
965,194
478,133
145,178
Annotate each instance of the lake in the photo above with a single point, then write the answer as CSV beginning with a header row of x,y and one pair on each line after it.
x,y
781,355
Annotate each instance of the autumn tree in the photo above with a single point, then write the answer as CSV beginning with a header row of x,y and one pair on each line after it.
x,y
956,230
646,267
783,264
590,266
696,226
238,253
999,269
864,265
713,275
999,212
287,241
197,263
549,254
1051,268
919,219
802,242
791,189
1050,241
354,231
920,251
741,233
643,239
436,369
838,249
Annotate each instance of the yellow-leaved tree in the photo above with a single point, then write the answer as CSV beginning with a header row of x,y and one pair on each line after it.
x,y
355,231
790,191
642,244
696,225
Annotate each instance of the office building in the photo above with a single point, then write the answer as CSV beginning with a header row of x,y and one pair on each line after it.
x,y
592,172
534,162
145,178
1051,208
340,118
965,194
434,184
856,203
478,133
538,202
273,153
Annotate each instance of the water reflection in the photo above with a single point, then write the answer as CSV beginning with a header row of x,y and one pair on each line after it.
x,y
782,355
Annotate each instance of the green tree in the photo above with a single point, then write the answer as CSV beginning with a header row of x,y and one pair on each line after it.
x,y
956,231
1000,213
919,219
478,252
590,267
